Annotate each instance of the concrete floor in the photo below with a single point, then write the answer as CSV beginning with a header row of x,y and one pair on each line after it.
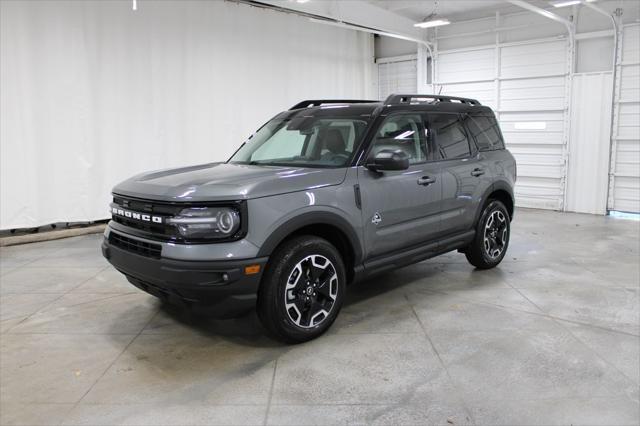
x,y
549,337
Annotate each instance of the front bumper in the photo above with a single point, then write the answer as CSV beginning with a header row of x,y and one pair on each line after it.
x,y
219,287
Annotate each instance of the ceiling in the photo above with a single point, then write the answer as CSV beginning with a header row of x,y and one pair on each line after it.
x,y
417,10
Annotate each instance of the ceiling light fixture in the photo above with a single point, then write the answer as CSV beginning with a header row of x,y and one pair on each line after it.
x,y
433,23
432,20
565,3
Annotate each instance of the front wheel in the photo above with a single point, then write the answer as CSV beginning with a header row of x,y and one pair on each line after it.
x,y
491,241
302,290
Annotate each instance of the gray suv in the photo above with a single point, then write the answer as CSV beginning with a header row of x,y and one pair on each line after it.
x,y
324,194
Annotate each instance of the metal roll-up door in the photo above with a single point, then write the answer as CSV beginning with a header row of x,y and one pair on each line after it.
x,y
531,103
397,76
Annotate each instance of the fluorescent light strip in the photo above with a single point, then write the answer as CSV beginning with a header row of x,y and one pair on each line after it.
x,y
566,3
530,125
434,23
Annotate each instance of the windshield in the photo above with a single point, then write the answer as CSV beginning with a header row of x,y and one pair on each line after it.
x,y
303,141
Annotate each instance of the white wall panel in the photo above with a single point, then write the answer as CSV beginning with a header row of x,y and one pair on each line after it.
x,y
594,54
93,92
624,184
590,141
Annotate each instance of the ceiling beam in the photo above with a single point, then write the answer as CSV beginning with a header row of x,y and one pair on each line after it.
x,y
356,12
543,12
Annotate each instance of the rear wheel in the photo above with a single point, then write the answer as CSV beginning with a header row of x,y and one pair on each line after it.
x,y
302,290
491,241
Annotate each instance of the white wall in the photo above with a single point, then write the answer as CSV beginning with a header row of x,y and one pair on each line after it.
x,y
594,55
93,92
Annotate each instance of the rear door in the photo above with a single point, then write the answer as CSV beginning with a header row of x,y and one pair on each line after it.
x,y
400,209
464,176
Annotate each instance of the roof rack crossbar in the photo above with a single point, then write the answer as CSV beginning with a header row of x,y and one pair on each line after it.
x,y
318,102
397,99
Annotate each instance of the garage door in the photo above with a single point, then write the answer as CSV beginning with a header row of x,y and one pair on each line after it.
x,y
397,75
530,101
624,183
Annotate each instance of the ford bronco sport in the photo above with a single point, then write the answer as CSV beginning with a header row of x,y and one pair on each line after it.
x,y
324,194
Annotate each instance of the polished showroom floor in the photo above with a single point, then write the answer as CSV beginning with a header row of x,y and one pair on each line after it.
x,y
549,337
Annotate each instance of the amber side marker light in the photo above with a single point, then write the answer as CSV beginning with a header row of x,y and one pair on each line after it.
x,y
251,269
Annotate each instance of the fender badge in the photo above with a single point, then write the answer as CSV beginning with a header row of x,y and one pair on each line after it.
x,y
376,218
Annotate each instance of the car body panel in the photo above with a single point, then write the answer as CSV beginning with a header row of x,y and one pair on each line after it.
x,y
462,191
225,181
405,212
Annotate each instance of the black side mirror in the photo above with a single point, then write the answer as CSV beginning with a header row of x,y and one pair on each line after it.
x,y
389,160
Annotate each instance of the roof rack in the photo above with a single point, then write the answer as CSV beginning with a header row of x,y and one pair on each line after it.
x,y
396,99
318,102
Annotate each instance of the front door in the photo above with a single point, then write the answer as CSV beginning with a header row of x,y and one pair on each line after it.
x,y
400,209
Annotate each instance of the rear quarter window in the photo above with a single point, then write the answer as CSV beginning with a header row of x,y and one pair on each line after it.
x,y
450,137
486,132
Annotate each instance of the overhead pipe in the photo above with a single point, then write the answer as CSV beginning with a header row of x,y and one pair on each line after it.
x,y
550,15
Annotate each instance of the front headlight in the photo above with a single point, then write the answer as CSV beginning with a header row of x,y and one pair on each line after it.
x,y
206,222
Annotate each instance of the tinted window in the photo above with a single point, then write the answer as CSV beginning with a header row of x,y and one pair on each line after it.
x,y
485,131
402,132
284,144
305,141
449,136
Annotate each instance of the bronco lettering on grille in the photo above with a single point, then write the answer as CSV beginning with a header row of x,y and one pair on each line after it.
x,y
137,216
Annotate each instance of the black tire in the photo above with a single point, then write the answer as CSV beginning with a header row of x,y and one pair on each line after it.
x,y
481,254
281,311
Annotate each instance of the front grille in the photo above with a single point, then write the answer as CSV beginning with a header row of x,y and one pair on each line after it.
x,y
150,228
135,246
165,209
158,230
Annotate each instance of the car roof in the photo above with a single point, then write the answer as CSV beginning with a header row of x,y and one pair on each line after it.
x,y
333,110
393,103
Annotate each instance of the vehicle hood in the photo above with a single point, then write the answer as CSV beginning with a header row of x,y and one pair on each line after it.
x,y
223,181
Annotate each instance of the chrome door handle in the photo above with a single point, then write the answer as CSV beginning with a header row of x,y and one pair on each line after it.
x,y
426,181
477,172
